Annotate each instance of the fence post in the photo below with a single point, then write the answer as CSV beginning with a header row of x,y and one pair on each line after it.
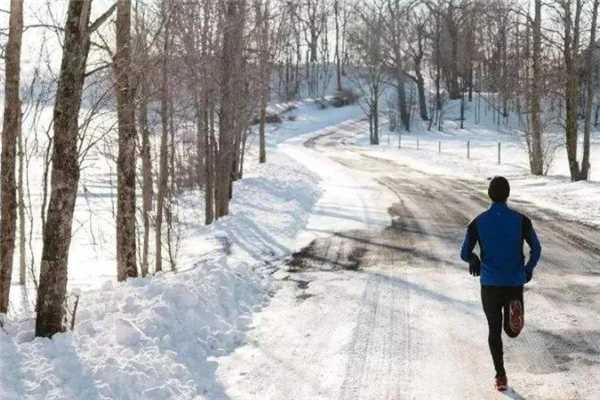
x,y
468,149
417,143
399,140
440,146
499,153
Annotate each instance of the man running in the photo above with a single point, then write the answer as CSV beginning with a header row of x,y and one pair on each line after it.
x,y
500,233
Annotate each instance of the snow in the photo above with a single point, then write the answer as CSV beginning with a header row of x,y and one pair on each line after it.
x,y
157,337
355,335
578,201
147,337
229,315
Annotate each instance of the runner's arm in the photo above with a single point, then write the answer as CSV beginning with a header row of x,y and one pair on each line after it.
x,y
471,239
533,242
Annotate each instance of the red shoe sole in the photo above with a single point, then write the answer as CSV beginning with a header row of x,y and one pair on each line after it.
x,y
516,316
501,385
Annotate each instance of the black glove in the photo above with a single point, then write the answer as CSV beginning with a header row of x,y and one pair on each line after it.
x,y
528,275
475,265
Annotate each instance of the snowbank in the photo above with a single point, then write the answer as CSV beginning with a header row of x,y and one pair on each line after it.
x,y
154,338
147,338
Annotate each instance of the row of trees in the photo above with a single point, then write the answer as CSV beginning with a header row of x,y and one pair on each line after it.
x,y
208,69
208,66
534,61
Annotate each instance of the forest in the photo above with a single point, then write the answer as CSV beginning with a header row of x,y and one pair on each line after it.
x,y
172,93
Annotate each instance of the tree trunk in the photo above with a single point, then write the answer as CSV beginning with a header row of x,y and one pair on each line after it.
x,y
262,158
207,117
200,156
163,173
145,149
537,154
265,74
21,192
65,171
209,193
147,186
172,188
371,135
571,44
587,132
438,67
338,61
376,119
126,161
420,82
10,132
401,96
453,86
231,60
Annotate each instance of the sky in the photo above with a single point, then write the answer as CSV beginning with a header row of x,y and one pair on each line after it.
x,y
38,39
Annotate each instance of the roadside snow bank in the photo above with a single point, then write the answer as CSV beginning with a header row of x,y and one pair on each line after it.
x,y
154,338
146,338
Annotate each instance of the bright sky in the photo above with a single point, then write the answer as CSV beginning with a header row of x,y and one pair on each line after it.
x,y
46,12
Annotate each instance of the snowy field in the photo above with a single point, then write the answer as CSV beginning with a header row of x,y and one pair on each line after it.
x,y
555,191
175,335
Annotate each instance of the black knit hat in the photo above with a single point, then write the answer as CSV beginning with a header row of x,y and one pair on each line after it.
x,y
499,189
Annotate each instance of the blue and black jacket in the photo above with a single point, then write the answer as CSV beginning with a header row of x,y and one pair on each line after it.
x,y
500,233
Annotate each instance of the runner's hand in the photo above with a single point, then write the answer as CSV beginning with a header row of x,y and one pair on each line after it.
x,y
475,265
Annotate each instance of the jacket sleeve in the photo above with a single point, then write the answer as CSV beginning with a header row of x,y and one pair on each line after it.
x,y
533,242
471,239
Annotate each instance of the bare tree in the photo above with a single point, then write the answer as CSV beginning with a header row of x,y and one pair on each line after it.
x,y
369,69
536,156
231,83
589,78
65,168
393,20
126,247
163,174
338,55
143,88
21,210
571,24
416,47
263,28
11,130
312,15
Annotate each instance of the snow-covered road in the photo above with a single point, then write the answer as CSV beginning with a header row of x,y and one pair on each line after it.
x,y
381,308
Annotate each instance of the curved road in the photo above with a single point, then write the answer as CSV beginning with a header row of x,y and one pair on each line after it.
x,y
385,309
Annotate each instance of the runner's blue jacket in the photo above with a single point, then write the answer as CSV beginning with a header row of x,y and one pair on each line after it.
x,y
500,233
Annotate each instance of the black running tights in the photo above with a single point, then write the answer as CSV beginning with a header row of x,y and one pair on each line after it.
x,y
495,301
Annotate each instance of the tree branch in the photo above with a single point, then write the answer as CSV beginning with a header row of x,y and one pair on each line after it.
x,y
102,19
